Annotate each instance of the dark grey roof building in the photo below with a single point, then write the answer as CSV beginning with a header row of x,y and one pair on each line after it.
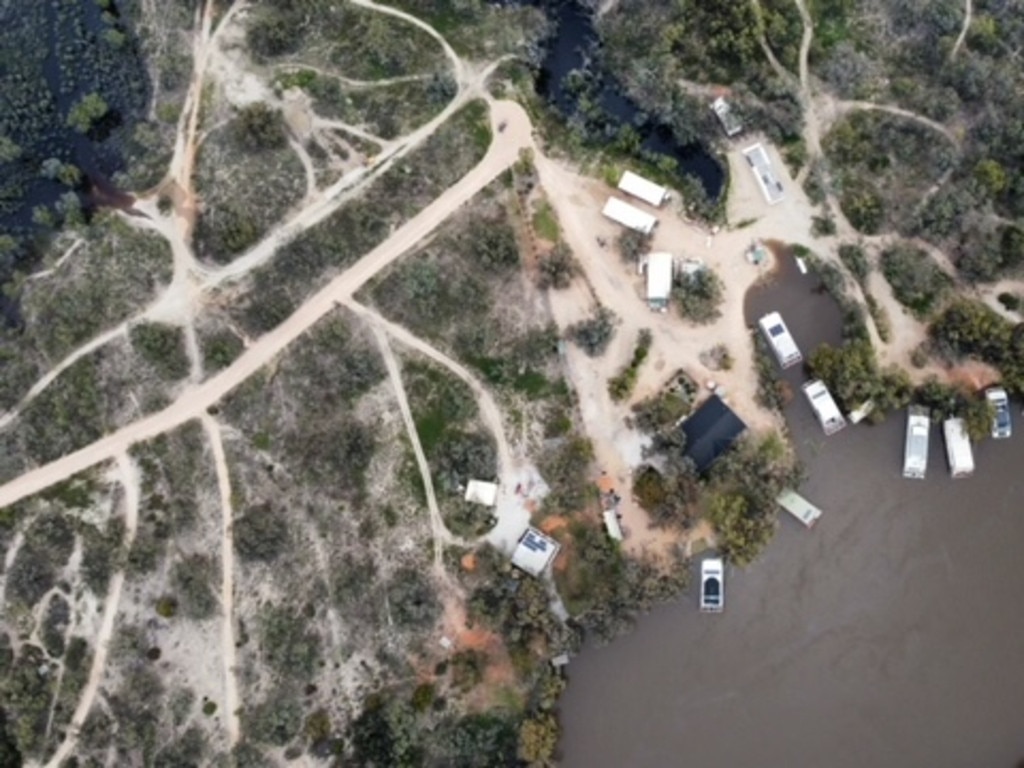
x,y
710,431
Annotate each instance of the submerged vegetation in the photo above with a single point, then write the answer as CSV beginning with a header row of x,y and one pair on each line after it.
x,y
69,111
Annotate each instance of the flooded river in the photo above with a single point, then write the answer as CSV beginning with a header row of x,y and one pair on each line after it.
x,y
890,635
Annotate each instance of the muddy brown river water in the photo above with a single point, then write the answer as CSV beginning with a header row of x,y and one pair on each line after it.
x,y
892,634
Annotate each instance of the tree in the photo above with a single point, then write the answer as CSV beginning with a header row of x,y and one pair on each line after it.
x,y
89,110
632,245
593,335
699,295
259,127
557,268
538,738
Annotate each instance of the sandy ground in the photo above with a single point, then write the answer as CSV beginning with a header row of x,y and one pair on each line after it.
x,y
227,589
677,344
439,532
101,643
195,399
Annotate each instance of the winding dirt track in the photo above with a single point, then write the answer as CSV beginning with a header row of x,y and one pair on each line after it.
x,y
196,399
130,483
227,584
438,532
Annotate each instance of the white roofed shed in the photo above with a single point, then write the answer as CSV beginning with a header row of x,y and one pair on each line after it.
x,y
630,216
660,268
642,189
481,492
534,552
761,166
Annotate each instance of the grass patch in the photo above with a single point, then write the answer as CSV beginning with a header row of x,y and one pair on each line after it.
x,y
545,222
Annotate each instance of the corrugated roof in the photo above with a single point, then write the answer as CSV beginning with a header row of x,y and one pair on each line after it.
x,y
710,432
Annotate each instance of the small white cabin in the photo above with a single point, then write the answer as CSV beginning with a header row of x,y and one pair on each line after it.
x,y
730,123
824,406
958,448
611,525
799,507
915,448
780,340
629,216
660,268
761,166
642,189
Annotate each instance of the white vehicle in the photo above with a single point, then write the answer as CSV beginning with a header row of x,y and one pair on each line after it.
x,y
958,448
712,585
1001,425
915,447
780,339
824,406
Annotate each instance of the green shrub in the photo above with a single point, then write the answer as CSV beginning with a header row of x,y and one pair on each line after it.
x,y
163,347
917,281
259,127
699,295
261,534
594,335
855,260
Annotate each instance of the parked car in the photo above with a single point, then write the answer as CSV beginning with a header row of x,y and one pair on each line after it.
x,y
712,585
1001,425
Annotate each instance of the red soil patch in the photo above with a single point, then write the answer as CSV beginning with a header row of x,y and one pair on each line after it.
x,y
468,562
554,523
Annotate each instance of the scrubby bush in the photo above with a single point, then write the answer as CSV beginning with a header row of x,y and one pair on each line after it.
x,y
852,374
917,281
855,260
163,347
594,335
259,127
621,385
290,643
413,599
632,245
564,468
699,295
191,577
261,534
557,268
670,494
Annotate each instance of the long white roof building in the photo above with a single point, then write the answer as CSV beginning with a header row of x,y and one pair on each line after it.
x,y
660,267
642,189
761,166
630,216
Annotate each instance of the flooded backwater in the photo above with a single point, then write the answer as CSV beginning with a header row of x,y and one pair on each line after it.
x,y
892,634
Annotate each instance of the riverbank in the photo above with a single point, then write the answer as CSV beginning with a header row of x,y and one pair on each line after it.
x,y
880,637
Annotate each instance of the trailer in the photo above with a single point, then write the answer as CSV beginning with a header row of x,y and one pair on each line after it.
x,y
824,406
642,189
915,446
630,216
958,448
799,507
780,340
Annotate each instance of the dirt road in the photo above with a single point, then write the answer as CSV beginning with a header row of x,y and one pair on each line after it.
x,y
512,515
101,644
438,532
196,399
227,584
